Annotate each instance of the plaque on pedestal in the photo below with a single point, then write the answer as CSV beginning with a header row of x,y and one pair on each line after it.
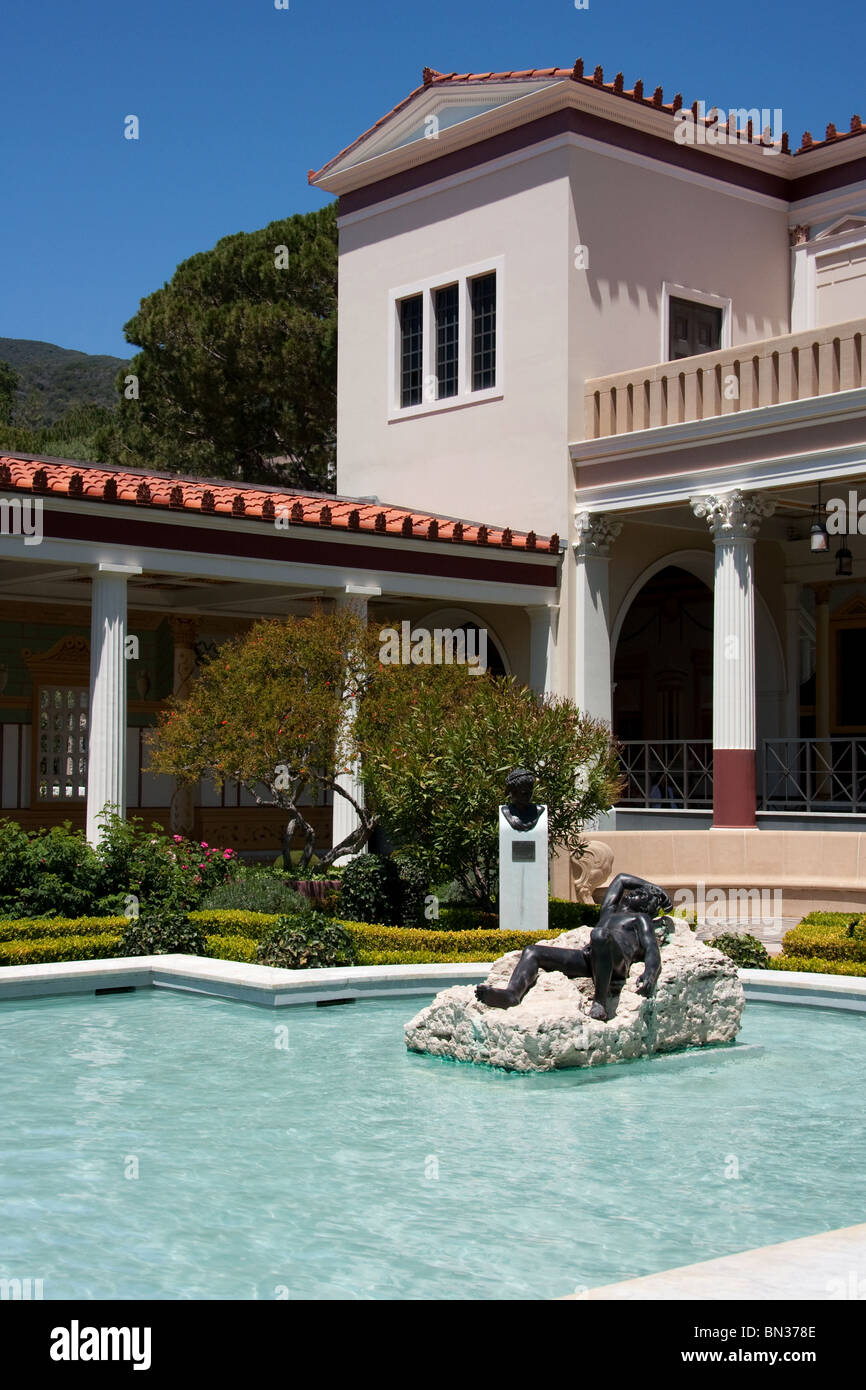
x,y
522,857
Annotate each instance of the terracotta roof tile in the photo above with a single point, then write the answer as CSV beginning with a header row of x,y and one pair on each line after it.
x,y
590,79
242,502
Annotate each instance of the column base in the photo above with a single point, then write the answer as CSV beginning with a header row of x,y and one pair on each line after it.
x,y
734,789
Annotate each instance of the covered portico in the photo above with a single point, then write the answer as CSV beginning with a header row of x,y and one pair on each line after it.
x,y
729,650
136,579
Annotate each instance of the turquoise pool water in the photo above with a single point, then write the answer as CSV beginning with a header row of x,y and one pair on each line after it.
x,y
343,1167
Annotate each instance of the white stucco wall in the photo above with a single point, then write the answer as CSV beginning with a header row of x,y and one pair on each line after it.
x,y
500,461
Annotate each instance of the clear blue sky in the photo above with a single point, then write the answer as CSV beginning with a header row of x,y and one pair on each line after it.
x,y
237,100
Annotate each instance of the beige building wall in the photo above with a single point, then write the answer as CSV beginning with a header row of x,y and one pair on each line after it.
x,y
642,227
499,461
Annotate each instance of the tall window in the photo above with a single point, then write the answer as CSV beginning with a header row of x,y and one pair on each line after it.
x,y
446,340
62,749
411,349
693,328
483,292
446,309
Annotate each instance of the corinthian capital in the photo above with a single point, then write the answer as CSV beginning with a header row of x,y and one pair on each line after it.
x,y
595,533
733,515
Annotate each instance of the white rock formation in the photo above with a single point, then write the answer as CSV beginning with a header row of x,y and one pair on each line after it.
x,y
698,1000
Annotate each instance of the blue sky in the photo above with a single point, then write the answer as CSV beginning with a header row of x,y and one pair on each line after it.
x,y
237,100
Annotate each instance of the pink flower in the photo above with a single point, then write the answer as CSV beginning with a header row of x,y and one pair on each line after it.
x,y
178,839
204,844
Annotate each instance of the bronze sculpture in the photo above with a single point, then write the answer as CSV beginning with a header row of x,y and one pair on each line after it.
x,y
521,813
626,932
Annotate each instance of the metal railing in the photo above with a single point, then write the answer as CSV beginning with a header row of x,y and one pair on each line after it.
x,y
815,774
667,774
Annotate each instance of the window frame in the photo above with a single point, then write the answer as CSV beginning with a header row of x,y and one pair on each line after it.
x,y
462,277
713,301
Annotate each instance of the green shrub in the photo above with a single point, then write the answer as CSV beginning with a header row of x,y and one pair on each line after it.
x,y
379,888
14,844
420,958
50,949
162,871
465,944
161,932
565,916
36,928
561,916
745,951
814,965
306,941
255,889
58,871
231,948
830,919
231,922
843,939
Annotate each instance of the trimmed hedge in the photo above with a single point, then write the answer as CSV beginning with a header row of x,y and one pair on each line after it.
x,y
51,949
842,941
561,916
422,958
813,965
241,948
466,945
830,919
35,928
231,921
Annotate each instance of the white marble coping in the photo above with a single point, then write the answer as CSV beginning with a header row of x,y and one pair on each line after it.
x,y
803,987
827,1266
228,979
263,984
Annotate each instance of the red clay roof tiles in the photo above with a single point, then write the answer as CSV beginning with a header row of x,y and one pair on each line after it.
x,y
251,502
432,78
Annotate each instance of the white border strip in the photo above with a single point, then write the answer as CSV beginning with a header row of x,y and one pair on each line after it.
x,y
228,979
263,984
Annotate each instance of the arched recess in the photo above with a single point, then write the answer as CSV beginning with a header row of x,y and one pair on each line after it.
x,y
770,660
456,617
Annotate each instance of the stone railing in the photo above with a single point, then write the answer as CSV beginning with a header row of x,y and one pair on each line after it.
x,y
798,366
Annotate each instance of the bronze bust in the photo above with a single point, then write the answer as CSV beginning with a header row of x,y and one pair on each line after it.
x,y
521,812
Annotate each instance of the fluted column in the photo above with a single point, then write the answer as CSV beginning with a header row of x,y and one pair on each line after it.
x,y
106,762
183,631
734,519
344,818
542,646
592,678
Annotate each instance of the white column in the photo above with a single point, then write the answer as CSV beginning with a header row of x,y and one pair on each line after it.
x,y
344,818
106,763
543,620
733,518
183,631
593,674
803,280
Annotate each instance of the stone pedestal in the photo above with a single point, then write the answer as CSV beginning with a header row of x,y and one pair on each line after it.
x,y
523,875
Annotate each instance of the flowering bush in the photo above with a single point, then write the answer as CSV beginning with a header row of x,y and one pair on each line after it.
x,y
157,868
48,873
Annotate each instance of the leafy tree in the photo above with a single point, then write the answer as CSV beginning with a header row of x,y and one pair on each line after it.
x,y
8,387
237,368
83,433
272,710
437,744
